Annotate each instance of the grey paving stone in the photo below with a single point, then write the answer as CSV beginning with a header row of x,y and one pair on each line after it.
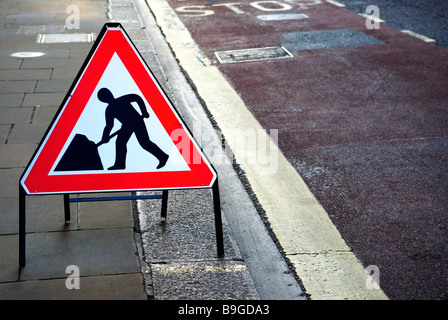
x,y
10,182
15,115
112,287
46,99
65,73
95,252
10,63
17,86
9,211
45,213
105,214
53,85
32,74
44,115
16,155
4,131
45,63
27,133
79,53
11,100
9,269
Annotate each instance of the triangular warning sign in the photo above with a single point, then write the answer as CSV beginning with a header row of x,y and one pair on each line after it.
x,y
116,130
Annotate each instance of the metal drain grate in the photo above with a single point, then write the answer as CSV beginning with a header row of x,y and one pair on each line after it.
x,y
65,37
253,54
282,16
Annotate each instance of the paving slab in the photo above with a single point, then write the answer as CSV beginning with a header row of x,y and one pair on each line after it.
x,y
43,114
10,182
17,86
47,63
105,214
27,133
9,269
4,132
44,214
53,85
95,252
111,287
34,74
15,115
47,99
10,63
16,155
10,99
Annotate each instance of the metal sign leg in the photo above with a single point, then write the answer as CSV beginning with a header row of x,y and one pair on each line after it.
x,y
22,230
218,219
164,203
67,207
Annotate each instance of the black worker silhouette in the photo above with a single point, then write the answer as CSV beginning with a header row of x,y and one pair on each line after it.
x,y
82,154
131,122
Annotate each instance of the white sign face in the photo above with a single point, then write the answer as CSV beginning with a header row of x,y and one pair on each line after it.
x,y
92,123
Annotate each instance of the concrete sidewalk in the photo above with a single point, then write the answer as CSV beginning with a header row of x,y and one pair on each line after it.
x,y
100,238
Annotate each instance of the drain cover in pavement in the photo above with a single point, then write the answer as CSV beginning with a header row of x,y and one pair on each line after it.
x,y
328,39
252,54
65,37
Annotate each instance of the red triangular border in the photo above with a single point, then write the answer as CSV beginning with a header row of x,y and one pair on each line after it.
x,y
113,39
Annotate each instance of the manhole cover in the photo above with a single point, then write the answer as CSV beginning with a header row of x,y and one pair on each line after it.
x,y
253,54
65,37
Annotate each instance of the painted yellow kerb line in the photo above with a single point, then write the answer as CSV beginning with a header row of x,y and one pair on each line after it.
x,y
323,261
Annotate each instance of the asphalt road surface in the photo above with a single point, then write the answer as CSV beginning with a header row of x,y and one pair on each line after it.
x,y
362,116
429,18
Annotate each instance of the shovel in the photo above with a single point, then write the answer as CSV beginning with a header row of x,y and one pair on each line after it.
x,y
110,137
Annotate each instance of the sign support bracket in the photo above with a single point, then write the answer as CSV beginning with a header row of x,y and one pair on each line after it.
x,y
163,196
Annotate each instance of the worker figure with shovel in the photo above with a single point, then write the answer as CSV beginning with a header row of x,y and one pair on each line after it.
x,y
131,122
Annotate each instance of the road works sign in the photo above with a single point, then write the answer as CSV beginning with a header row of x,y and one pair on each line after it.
x,y
116,131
